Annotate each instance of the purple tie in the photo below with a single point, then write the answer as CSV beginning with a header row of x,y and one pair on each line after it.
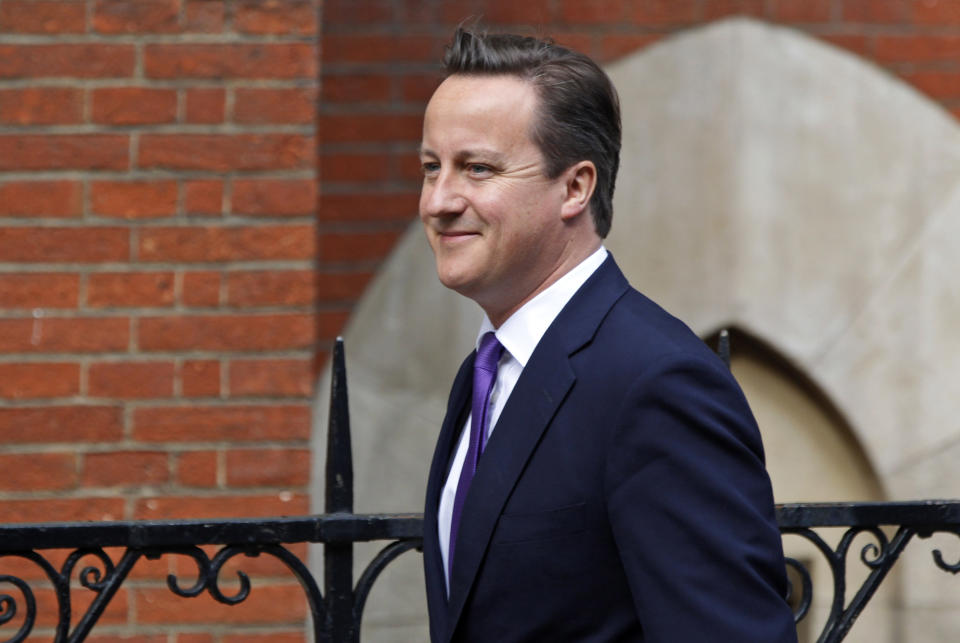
x,y
484,375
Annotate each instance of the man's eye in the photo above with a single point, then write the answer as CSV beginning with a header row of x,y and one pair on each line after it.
x,y
478,169
430,168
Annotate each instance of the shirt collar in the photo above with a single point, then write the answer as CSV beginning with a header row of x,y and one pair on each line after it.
x,y
522,331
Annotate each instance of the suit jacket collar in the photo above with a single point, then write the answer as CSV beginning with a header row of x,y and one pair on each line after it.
x,y
538,394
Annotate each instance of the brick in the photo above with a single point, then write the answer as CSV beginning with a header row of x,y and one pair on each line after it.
x,y
592,11
330,324
341,286
38,472
41,105
510,12
271,288
935,83
200,378
33,16
197,469
136,16
369,207
71,424
892,11
917,49
205,16
62,510
205,105
575,40
370,128
275,197
716,9
132,638
224,152
363,48
130,289
54,245
293,288
614,46
856,43
406,167
267,604
75,60
273,637
664,12
203,197
423,14
201,289
801,10
131,380
351,12
40,199
418,87
235,243
939,13
216,61
125,468
22,152
221,506
354,88
272,377
257,106
235,332
268,467
38,290
194,638
39,380
358,246
222,423
133,105
133,199
287,17
366,168
63,335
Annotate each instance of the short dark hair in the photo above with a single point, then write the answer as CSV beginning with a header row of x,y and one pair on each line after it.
x,y
579,112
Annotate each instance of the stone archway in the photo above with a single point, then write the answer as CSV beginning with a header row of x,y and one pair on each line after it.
x,y
769,181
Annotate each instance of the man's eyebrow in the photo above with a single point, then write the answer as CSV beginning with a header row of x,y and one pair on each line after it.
x,y
481,153
424,151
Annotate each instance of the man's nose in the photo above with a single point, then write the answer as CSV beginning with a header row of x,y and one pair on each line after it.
x,y
441,196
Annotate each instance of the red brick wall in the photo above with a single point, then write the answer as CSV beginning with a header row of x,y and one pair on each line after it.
x,y
166,277
159,311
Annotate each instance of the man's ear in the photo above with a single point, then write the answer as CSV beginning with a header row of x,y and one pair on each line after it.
x,y
580,180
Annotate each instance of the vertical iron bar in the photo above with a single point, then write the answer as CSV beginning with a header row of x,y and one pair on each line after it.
x,y
338,556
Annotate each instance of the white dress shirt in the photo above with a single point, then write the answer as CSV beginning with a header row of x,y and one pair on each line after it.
x,y
519,334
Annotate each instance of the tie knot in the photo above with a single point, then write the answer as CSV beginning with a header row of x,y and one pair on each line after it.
x,y
489,352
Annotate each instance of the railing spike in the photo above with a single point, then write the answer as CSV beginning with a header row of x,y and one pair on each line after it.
x,y
339,487
723,346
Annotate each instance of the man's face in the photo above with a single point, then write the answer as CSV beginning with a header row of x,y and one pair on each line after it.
x,y
490,213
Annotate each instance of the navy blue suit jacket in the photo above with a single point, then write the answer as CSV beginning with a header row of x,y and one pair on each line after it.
x,y
621,497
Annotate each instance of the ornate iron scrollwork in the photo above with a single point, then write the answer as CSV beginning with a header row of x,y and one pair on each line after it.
x,y
337,611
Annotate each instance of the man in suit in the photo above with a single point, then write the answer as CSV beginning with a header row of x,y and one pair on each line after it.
x,y
598,475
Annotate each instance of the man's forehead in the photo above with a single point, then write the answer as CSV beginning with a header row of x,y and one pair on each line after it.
x,y
483,91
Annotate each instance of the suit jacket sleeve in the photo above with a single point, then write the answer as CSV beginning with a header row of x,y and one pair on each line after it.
x,y
691,508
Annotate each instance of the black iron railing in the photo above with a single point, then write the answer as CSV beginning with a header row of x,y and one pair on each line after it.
x,y
337,609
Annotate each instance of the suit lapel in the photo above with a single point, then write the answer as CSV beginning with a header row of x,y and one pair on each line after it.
x,y
538,394
455,416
